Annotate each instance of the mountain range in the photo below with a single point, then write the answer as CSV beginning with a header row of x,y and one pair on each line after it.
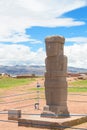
x,y
33,69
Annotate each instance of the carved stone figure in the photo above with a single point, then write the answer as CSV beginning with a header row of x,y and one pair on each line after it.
x,y
55,78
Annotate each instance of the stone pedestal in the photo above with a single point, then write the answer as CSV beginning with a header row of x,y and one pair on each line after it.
x,y
55,78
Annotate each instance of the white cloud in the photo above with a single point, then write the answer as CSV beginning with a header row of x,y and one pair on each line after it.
x,y
77,39
20,54
18,15
18,37
77,53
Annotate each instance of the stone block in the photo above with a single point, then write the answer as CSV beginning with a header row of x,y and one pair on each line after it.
x,y
14,114
55,63
57,83
56,99
56,75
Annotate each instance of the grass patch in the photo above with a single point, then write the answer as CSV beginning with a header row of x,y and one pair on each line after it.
x,y
74,86
77,89
78,83
77,86
13,82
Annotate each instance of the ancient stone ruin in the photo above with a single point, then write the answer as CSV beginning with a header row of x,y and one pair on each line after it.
x,y
55,92
55,78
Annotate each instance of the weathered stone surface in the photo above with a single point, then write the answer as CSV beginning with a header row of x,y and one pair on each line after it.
x,y
51,123
55,78
14,114
54,45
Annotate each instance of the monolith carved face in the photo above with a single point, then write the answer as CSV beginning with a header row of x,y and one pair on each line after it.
x,y
54,47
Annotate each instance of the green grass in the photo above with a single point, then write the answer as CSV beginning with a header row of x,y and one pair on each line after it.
x,y
78,83
77,89
75,86
13,82
78,86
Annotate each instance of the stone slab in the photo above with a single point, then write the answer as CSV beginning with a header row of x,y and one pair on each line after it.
x,y
51,123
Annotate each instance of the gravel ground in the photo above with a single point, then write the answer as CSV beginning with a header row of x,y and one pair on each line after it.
x,y
77,104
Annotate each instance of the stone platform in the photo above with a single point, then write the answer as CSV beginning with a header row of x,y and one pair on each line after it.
x,y
51,123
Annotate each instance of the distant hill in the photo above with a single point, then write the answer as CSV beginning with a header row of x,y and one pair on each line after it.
x,y
37,70
18,70
76,70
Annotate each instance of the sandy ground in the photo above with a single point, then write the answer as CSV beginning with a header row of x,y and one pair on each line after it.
x,y
77,104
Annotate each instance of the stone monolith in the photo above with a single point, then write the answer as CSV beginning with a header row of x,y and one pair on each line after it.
x,y
55,78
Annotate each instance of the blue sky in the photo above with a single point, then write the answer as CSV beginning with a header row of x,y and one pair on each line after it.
x,y
24,25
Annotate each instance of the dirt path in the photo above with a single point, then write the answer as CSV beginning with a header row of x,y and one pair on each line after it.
x,y
77,104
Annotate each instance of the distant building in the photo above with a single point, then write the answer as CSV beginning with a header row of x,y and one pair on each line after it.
x,y
78,75
73,74
25,76
5,75
83,76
